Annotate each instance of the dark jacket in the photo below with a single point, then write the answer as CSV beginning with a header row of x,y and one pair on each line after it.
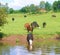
x,y
29,36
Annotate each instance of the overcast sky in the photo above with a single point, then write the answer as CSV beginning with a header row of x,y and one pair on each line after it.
x,y
17,4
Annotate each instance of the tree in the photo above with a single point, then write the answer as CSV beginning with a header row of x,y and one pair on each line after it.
x,y
25,9
55,6
29,9
7,8
42,5
33,8
11,10
58,5
37,9
47,6
3,14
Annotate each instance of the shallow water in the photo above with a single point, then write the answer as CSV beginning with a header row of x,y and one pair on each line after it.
x,y
41,49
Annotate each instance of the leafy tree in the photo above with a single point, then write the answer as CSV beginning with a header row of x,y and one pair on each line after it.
x,y
11,10
37,9
48,6
42,4
30,9
3,14
55,6
25,9
7,8
58,5
33,8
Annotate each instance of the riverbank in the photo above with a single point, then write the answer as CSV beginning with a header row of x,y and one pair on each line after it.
x,y
21,39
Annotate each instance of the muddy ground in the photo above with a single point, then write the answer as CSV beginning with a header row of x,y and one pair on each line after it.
x,y
21,39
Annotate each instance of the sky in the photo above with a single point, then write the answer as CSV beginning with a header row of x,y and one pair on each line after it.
x,y
18,4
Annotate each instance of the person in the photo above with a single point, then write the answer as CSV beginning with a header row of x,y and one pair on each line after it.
x,y
30,38
30,41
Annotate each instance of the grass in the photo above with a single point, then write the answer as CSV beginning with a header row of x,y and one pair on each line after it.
x,y
17,26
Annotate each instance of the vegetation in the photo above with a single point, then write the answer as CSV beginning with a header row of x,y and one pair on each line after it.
x,y
17,40
56,6
3,15
17,27
34,9
1,35
48,6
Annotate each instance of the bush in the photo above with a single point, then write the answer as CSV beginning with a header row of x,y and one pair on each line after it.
x,y
58,32
1,35
3,15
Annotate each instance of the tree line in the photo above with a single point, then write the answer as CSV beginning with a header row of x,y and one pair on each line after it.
x,y
42,7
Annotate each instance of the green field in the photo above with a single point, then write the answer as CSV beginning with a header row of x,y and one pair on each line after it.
x,y
17,26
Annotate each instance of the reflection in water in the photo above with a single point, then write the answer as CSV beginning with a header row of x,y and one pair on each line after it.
x,y
4,49
43,49
17,50
30,47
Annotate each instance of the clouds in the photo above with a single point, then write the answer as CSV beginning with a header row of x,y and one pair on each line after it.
x,y
21,3
17,4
